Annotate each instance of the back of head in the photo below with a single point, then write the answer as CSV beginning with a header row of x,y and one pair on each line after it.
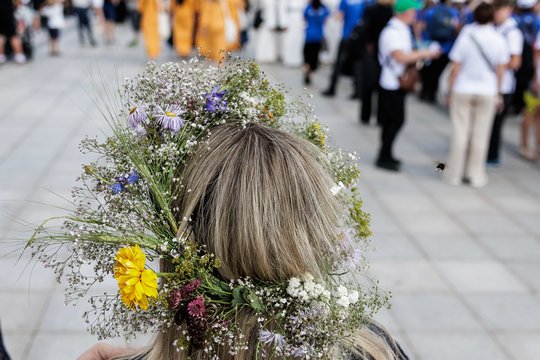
x,y
483,14
260,200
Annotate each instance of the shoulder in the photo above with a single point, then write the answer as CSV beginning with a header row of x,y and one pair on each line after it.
x,y
374,333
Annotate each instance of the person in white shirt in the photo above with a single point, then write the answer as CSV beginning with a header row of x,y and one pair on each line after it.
x,y
54,11
507,27
478,60
396,50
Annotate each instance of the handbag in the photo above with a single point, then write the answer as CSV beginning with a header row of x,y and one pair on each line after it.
x,y
409,78
231,30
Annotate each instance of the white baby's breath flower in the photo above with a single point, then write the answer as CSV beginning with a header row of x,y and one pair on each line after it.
x,y
341,291
343,301
353,297
337,188
303,295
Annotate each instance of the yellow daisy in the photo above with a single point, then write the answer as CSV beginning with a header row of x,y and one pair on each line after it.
x,y
135,282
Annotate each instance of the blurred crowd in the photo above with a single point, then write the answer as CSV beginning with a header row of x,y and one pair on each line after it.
x,y
478,58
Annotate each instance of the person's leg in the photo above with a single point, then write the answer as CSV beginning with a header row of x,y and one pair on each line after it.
x,y
338,65
365,103
482,121
358,79
368,84
393,108
460,115
80,25
426,73
496,131
438,67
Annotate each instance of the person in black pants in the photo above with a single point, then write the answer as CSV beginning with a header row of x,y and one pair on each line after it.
x,y
376,17
351,11
507,27
441,21
396,51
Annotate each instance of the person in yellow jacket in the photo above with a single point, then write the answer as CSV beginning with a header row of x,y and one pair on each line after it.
x,y
211,38
183,21
149,10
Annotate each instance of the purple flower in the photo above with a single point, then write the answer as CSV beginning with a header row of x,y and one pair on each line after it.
x,y
133,177
299,352
269,337
170,118
136,117
117,188
215,101
196,308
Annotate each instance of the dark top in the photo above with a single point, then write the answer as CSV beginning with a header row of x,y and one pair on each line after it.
x,y
375,18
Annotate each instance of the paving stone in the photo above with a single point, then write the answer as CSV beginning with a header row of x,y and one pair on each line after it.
x,y
528,272
509,247
389,246
425,311
450,346
522,346
480,276
455,247
507,312
407,276
12,303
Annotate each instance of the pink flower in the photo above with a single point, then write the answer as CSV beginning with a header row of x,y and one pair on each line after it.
x,y
196,307
175,297
189,288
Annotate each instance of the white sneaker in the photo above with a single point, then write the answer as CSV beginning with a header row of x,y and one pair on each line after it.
x,y
479,183
3,59
19,58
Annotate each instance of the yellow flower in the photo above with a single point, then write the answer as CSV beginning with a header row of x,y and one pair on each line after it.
x,y
135,282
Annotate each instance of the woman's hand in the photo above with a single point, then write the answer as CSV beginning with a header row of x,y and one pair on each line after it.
x,y
102,351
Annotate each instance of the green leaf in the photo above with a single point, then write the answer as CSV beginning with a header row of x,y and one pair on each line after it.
x,y
253,300
238,298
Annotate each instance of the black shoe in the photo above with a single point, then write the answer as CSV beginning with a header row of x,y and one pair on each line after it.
x,y
329,92
389,165
397,161
364,121
354,96
307,79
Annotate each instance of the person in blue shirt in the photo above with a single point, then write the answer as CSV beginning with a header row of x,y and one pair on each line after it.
x,y
351,13
441,26
528,22
315,16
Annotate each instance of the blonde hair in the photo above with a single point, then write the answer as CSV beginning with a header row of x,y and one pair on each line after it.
x,y
260,200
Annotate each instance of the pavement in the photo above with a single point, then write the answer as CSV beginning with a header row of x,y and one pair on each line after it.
x,y
462,264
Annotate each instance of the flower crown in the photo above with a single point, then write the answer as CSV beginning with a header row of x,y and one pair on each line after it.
x,y
125,221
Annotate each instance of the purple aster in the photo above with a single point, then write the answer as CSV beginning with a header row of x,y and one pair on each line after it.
x,y
215,101
299,352
136,116
117,188
133,177
170,118
269,338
